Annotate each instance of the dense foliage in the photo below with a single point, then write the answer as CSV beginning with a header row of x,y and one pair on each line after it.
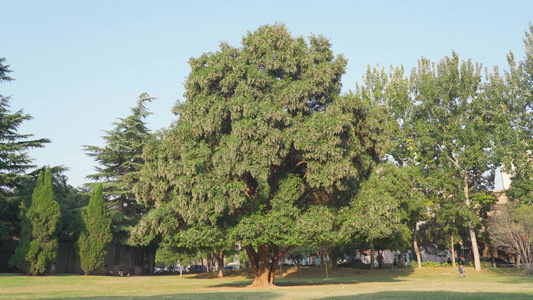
x,y
44,216
119,163
14,162
96,233
265,150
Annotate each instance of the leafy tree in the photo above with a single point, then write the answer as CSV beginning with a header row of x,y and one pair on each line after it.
x,y
120,161
514,90
14,159
96,235
511,230
264,145
446,124
44,215
405,191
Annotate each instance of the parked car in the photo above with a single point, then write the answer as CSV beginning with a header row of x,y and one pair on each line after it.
x,y
231,267
197,269
158,270
500,262
177,270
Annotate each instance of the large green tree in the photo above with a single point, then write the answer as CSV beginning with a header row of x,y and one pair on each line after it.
x,y
264,145
96,233
14,159
119,162
44,215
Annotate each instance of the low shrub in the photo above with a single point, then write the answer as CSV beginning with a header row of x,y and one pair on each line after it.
x,y
430,264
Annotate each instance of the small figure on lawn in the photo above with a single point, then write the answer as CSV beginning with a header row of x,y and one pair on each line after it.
x,y
449,261
395,266
380,260
461,268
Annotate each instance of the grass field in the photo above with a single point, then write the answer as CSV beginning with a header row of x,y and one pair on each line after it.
x,y
428,283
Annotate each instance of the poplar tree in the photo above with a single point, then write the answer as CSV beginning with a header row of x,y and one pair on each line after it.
x,y
96,235
44,215
264,147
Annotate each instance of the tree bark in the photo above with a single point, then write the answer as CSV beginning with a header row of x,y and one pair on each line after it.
x,y
264,272
260,265
473,238
417,250
372,256
452,247
220,261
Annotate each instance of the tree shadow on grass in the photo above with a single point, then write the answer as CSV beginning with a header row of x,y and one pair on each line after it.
x,y
194,296
433,295
309,281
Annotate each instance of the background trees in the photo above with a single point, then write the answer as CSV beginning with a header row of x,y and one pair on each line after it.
x,y
511,230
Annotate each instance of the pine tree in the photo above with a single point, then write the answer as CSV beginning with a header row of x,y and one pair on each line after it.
x,y
14,160
120,161
44,215
92,245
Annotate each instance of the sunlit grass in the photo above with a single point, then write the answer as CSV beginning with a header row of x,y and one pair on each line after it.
x,y
428,283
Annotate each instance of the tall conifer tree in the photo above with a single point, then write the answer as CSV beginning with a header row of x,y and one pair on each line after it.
x,y
120,161
95,237
14,159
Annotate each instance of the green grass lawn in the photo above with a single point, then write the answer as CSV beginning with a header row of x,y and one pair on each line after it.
x,y
428,283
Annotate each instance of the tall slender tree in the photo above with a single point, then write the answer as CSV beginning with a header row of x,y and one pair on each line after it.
x,y
453,129
96,234
44,214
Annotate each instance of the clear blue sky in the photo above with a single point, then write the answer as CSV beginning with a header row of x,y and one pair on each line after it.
x,y
80,65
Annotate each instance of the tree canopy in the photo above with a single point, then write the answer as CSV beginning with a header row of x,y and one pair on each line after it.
x,y
265,147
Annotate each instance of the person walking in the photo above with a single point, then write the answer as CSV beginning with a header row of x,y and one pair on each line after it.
x,y
395,266
461,268
380,260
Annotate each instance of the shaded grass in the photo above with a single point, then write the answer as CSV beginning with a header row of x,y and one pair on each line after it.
x,y
428,283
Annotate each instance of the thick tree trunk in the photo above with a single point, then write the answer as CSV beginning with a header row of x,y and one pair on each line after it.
x,y
262,270
260,265
401,260
473,238
417,250
452,248
220,261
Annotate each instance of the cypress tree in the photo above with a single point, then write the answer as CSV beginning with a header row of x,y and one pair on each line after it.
x,y
93,241
44,215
